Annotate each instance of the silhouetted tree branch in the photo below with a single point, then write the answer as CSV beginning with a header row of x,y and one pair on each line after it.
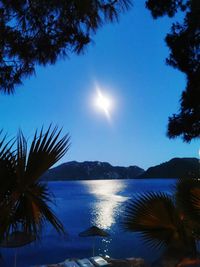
x,y
184,44
40,31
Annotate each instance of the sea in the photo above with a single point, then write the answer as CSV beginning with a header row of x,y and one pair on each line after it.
x,y
80,205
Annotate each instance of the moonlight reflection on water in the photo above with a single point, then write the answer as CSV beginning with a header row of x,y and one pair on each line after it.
x,y
105,210
81,204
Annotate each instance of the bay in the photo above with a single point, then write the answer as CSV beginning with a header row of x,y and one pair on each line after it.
x,y
81,204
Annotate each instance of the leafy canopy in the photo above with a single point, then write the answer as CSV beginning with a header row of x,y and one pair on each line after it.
x,y
184,44
40,31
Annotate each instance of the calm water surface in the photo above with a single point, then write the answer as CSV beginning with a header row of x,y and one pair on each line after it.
x,y
80,204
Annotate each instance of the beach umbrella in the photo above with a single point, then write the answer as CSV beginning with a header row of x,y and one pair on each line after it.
x,y
17,239
94,231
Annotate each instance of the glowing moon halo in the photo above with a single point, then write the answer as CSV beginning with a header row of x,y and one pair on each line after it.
x,y
103,103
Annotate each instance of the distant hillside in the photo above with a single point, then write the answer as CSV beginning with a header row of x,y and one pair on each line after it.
x,y
90,170
174,168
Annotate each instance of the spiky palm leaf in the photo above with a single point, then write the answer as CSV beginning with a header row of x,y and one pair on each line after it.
x,y
187,197
7,182
155,216
45,150
28,201
32,210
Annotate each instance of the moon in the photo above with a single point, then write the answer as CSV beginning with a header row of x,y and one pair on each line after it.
x,y
103,103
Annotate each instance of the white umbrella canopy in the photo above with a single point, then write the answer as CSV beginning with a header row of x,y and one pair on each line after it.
x,y
94,231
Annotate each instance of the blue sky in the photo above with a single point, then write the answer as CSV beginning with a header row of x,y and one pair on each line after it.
x,y
127,60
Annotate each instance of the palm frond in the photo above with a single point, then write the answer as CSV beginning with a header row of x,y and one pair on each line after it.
x,y
7,182
24,202
154,216
46,149
6,146
33,210
21,157
187,196
7,163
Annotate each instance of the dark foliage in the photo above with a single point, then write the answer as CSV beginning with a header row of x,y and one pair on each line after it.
x,y
40,31
170,221
184,44
24,201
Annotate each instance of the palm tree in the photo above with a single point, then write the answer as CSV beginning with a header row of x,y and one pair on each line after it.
x,y
24,199
168,221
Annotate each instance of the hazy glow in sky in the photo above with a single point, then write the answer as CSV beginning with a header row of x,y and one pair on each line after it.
x,y
103,103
